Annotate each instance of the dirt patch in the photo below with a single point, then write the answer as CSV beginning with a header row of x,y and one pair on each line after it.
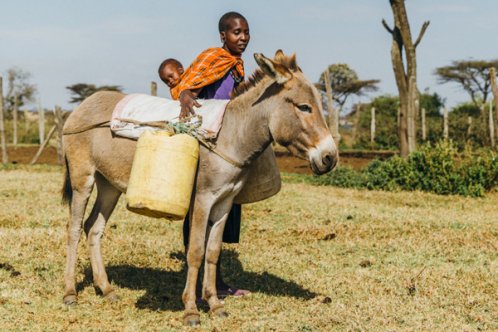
x,y
286,162
24,154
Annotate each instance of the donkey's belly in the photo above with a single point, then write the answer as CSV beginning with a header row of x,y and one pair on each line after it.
x,y
113,157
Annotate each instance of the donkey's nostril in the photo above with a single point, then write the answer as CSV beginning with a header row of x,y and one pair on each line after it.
x,y
327,160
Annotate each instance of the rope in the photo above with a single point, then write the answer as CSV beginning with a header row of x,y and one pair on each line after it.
x,y
211,148
97,125
171,127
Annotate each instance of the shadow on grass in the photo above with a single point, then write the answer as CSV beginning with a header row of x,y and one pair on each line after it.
x,y
163,288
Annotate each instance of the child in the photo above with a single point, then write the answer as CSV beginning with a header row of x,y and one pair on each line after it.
x,y
170,72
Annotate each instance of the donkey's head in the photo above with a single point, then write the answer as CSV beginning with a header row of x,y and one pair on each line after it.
x,y
296,118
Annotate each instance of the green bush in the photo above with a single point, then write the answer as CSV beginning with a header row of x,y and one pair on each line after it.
x,y
439,169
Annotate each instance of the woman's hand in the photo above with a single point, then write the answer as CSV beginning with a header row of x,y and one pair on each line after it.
x,y
187,103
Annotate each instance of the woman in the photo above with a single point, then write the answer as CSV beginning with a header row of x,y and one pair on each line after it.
x,y
213,75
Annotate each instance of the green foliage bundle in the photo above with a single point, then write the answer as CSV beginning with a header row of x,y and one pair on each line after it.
x,y
439,169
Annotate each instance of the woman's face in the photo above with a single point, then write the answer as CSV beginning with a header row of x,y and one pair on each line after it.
x,y
236,37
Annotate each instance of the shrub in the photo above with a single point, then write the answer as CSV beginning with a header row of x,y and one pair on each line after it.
x,y
439,169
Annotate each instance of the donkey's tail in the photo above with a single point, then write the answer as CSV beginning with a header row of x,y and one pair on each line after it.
x,y
67,191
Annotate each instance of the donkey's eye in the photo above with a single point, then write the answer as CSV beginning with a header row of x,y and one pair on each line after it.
x,y
304,108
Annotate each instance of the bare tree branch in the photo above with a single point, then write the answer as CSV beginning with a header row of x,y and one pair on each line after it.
x,y
384,23
422,32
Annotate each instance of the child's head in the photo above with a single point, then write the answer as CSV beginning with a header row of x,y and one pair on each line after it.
x,y
170,71
234,32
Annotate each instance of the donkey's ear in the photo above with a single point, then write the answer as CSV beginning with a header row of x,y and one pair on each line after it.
x,y
279,55
275,70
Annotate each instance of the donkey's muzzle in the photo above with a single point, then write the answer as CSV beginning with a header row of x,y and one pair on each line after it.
x,y
324,157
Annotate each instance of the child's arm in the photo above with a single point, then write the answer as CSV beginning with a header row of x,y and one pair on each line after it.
x,y
187,102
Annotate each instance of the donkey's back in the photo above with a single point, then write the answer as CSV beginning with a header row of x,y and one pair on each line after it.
x,y
93,110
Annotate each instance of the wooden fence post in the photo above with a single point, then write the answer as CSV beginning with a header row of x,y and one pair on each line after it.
x,y
26,121
14,120
59,124
372,125
43,145
41,124
424,131
491,125
356,123
153,88
494,89
333,118
445,124
3,143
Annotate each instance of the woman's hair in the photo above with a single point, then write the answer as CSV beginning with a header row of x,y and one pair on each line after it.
x,y
223,23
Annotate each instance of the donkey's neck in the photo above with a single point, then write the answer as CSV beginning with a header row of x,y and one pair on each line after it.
x,y
245,132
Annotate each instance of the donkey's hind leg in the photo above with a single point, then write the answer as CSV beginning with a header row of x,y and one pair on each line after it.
x,y
107,198
82,186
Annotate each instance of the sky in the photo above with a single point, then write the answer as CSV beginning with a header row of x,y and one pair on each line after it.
x,y
123,42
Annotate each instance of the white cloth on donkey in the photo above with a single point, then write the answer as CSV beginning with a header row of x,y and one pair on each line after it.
x,y
140,108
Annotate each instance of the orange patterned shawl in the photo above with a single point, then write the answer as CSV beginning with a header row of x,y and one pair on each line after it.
x,y
210,66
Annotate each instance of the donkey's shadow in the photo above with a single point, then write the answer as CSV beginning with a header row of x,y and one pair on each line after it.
x,y
163,288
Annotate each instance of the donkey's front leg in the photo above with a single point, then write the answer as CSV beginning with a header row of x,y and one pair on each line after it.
x,y
198,227
218,217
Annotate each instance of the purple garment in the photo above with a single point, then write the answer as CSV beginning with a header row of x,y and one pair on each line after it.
x,y
218,90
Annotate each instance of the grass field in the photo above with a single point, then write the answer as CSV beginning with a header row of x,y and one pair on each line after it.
x,y
315,258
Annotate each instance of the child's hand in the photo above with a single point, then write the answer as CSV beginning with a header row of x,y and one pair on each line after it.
x,y
187,103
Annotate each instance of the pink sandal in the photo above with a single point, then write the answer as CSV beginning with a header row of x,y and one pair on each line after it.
x,y
231,291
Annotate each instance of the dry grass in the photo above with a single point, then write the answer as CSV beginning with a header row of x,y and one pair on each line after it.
x,y
316,259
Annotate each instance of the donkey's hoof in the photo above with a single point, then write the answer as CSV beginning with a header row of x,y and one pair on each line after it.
x,y
218,311
191,319
111,297
70,300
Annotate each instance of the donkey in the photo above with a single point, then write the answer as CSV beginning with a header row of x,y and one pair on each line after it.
x,y
277,104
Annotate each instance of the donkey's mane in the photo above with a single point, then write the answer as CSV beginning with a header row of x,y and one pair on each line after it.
x,y
288,62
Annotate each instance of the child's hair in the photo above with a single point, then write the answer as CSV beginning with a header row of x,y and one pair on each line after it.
x,y
167,62
223,23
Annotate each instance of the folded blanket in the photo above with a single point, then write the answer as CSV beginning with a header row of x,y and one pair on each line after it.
x,y
140,108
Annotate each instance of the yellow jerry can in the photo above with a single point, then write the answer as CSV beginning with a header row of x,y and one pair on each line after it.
x,y
162,175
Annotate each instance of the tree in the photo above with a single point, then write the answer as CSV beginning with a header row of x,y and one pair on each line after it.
x,y
432,103
462,132
336,84
406,77
344,82
386,109
81,91
472,75
19,92
18,86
